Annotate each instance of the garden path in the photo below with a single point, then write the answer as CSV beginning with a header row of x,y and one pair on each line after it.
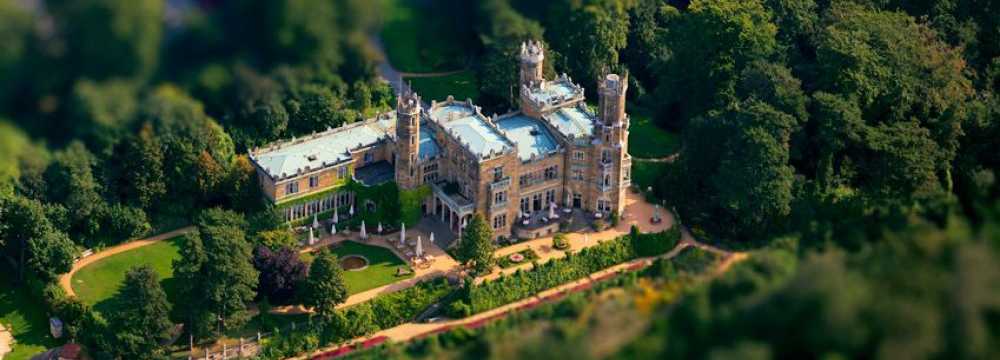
x,y
65,280
409,331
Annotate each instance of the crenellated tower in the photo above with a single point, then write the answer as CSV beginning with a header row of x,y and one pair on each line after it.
x,y
532,59
407,139
614,163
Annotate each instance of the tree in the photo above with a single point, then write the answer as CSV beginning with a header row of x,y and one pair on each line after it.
x,y
139,172
30,238
106,38
593,31
101,112
124,223
15,34
277,238
71,182
476,246
281,271
325,288
216,272
141,322
711,44
502,33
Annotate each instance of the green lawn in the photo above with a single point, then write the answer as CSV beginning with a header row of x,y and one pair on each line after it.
x,y
646,140
418,42
98,282
25,317
463,85
381,270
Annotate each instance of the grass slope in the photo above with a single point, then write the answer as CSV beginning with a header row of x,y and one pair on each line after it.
x,y
96,283
463,85
646,140
25,317
418,42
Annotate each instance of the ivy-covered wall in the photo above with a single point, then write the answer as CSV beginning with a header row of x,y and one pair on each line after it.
x,y
392,205
409,202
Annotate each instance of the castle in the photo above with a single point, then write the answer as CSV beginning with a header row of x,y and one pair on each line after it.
x,y
553,152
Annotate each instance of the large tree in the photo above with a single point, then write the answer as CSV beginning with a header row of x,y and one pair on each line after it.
x,y
71,182
138,168
106,38
30,238
325,288
141,322
217,275
476,245
281,271
711,44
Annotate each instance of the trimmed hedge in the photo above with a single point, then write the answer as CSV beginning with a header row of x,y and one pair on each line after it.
x,y
523,284
377,314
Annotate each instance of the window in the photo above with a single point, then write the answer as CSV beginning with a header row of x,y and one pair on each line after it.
x,y
369,157
577,174
430,168
551,172
429,178
627,173
342,172
313,181
607,180
523,180
579,155
292,187
497,173
577,200
500,197
606,156
525,204
536,202
603,206
499,221
550,196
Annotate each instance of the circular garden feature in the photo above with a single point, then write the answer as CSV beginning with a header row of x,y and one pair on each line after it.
x,y
353,262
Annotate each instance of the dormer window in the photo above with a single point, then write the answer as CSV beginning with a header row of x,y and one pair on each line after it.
x,y
312,157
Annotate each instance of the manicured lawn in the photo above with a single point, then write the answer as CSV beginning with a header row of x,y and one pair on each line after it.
x,y
381,270
98,282
529,256
418,42
25,317
646,140
463,85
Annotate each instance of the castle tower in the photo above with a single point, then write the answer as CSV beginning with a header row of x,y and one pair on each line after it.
x,y
532,59
407,139
615,164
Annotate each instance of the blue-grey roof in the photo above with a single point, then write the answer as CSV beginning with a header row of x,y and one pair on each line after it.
x,y
463,122
319,150
375,173
573,121
428,144
554,92
530,135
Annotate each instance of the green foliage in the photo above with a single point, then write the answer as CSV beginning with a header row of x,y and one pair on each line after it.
x,y
31,239
101,112
522,284
409,203
106,38
141,322
476,246
653,244
325,288
560,242
71,183
277,238
216,275
593,32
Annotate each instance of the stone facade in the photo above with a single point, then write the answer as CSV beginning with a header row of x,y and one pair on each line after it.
x,y
552,152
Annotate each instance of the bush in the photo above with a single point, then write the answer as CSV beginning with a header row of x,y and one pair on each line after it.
x,y
125,223
654,244
560,242
598,225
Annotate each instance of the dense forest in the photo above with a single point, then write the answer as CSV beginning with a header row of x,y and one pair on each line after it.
x,y
852,146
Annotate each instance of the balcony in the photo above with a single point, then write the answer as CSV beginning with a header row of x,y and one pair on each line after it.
x,y
606,166
501,184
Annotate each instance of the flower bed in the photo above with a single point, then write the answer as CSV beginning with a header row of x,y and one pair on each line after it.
x,y
518,258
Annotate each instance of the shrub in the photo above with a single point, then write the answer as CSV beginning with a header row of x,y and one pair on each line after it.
x,y
560,242
654,244
598,225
